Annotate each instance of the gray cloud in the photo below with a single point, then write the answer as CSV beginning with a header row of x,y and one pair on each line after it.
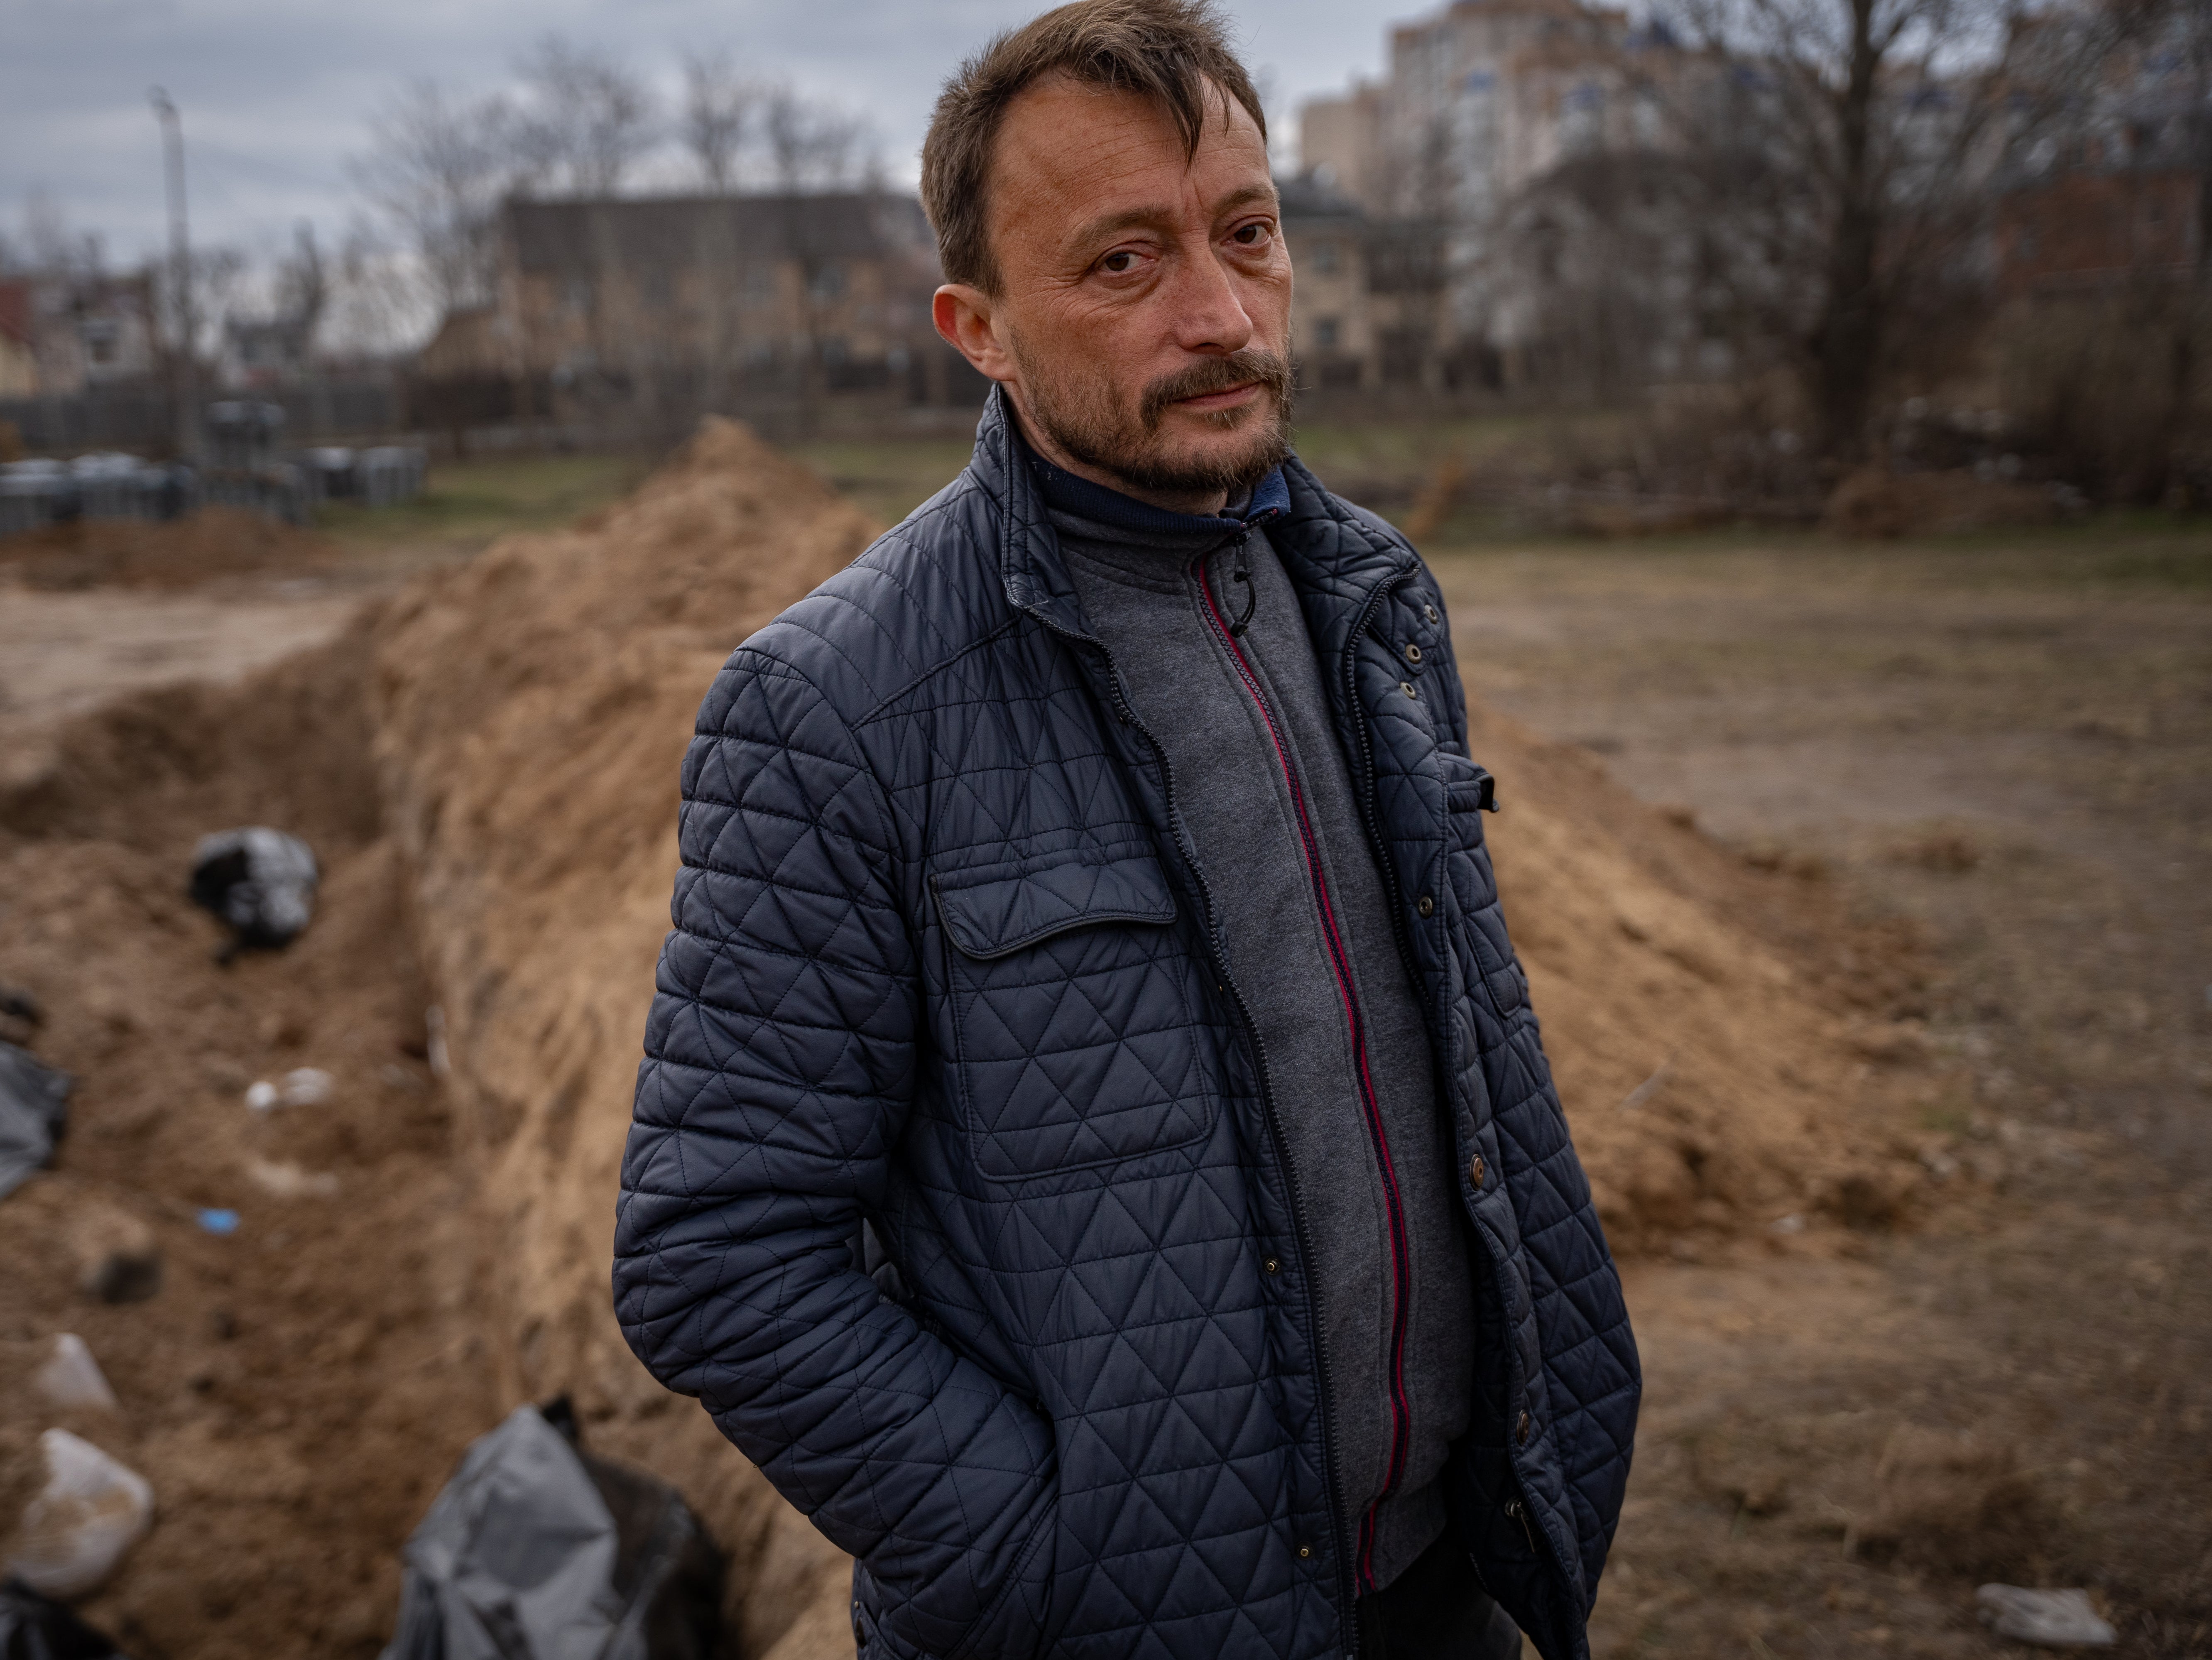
x,y
278,93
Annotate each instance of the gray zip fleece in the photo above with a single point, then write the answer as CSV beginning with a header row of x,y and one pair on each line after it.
x,y
1139,584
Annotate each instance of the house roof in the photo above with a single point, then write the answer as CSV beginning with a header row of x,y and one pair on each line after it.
x,y
1305,196
646,233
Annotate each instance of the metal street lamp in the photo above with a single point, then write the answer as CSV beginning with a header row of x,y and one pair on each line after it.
x,y
180,273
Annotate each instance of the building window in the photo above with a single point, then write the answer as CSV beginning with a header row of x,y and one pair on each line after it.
x,y
1325,258
829,283
1326,334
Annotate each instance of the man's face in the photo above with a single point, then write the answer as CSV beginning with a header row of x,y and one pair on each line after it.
x,y
1142,325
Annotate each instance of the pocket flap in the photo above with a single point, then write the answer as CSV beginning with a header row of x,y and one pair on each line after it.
x,y
1000,914
1466,793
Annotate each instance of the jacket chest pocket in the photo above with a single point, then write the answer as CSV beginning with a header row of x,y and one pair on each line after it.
x,y
1075,1043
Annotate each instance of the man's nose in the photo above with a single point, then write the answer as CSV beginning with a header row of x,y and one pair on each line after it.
x,y
1209,314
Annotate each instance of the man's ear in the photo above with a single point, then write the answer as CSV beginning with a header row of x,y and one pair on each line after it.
x,y
963,314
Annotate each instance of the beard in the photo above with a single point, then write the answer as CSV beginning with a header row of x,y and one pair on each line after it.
x,y
1083,413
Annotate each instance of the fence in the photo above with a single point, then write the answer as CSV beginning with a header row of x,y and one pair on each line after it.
x,y
143,417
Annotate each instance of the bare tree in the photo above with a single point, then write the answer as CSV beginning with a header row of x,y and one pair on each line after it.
x,y
222,284
812,146
437,168
51,247
719,106
373,307
586,119
1852,145
303,282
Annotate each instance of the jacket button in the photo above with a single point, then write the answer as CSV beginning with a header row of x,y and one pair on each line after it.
x,y
1274,1265
1406,686
1412,653
1430,611
1476,1170
1426,905
1521,1432
1304,1551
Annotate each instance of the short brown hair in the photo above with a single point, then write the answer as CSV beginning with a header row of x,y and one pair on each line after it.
x,y
1166,50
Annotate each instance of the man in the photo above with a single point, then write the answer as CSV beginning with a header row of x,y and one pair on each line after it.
x,y
1094,1151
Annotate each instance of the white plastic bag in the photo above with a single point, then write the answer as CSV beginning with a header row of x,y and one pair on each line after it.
x,y
71,1378
91,1511
2047,1618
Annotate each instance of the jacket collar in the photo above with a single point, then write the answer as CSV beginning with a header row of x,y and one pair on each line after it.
x,y
1334,555
1068,492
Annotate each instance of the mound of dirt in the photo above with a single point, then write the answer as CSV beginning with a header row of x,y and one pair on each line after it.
x,y
1717,1082
212,542
488,764
530,713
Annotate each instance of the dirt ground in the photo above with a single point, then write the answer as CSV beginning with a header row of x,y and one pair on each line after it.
x,y
2009,744
2003,745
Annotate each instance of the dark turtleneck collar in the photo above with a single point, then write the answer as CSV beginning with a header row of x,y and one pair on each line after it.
x,y
1066,492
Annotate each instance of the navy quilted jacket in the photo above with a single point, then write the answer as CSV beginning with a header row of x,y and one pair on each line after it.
x,y
953,1169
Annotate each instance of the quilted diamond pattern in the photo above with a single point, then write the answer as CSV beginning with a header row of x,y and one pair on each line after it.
x,y
939,968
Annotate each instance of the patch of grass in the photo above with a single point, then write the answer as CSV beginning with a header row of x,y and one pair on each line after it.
x,y
888,477
474,501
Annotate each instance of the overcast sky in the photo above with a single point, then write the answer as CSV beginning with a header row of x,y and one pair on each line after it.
x,y
277,94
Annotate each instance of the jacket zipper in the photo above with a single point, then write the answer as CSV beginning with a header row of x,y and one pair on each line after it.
x,y
1340,966
1515,1507
1123,710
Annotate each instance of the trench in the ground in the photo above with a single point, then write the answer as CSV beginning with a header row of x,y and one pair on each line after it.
x,y
296,1390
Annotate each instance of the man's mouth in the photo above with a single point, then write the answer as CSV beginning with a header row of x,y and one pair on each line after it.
x,y
1227,385
1225,397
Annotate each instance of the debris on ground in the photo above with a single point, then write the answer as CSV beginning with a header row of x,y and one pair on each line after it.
x,y
2046,1619
35,1628
71,1378
280,1179
536,1550
20,1015
302,1086
33,1110
260,881
118,1259
90,1511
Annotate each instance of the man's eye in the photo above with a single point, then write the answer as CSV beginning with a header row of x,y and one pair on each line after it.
x,y
1251,236
1119,261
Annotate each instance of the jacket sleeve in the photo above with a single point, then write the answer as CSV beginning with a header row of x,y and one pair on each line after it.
x,y
780,1064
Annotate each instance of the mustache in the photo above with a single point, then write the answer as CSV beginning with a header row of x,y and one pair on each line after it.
x,y
1239,368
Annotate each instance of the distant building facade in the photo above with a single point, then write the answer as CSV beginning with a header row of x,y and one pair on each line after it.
x,y
1486,105
80,331
2121,192
674,304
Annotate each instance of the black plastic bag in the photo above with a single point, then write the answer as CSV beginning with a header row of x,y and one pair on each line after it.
x,y
260,881
33,1109
35,1628
536,1549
